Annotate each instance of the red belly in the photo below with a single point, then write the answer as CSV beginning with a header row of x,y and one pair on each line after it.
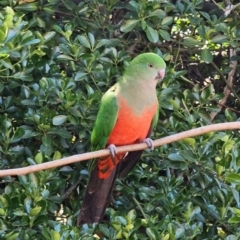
x,y
130,127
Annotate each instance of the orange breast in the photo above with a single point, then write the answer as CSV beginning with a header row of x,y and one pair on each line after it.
x,y
129,128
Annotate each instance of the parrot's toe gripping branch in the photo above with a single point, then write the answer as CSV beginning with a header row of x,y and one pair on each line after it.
x,y
149,142
113,150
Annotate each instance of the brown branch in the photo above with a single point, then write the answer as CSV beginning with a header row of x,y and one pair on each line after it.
x,y
219,6
72,188
128,148
231,108
229,82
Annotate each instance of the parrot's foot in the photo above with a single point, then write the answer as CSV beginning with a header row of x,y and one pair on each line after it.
x,y
149,142
113,150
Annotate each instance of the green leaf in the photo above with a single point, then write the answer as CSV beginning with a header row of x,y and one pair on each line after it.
x,y
27,7
104,229
176,157
27,204
107,43
35,211
57,155
84,41
64,57
152,34
234,220
135,5
157,13
206,56
152,233
33,180
231,237
39,157
143,24
40,220
205,116
63,133
1,86
18,134
55,235
189,141
59,120
233,178
2,212
31,161
48,36
58,29
167,21
180,6
66,169
28,102
10,35
91,39
3,201
75,112
25,91
131,216
23,179
189,41
49,10
166,104
219,39
23,76
79,76
11,236
6,63
206,15
165,35
41,22
2,35
129,25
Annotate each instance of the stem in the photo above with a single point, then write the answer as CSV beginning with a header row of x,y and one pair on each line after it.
x,y
140,208
224,79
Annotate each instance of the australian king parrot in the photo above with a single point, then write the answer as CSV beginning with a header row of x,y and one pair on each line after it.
x,y
128,112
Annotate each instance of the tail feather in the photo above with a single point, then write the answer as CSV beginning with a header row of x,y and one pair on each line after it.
x,y
97,197
99,190
128,163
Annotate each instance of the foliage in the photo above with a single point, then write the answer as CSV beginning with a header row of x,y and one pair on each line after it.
x,y
56,60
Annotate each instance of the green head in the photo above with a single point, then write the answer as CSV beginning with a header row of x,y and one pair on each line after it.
x,y
146,66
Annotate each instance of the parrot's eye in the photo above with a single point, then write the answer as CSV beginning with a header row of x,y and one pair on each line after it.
x,y
150,65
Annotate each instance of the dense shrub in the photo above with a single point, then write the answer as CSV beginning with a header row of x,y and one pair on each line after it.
x,y
56,60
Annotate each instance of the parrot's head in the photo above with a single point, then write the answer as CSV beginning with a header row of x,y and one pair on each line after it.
x,y
148,67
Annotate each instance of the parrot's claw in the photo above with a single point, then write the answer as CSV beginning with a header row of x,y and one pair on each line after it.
x,y
149,142
113,150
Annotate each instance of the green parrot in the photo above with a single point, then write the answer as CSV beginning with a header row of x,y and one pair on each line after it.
x,y
128,113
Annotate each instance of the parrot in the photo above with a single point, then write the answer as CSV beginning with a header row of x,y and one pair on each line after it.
x,y
127,114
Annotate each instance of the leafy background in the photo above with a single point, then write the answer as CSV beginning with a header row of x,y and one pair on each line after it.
x,y
58,57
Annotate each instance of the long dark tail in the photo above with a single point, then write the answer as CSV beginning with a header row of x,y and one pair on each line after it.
x,y
99,191
97,197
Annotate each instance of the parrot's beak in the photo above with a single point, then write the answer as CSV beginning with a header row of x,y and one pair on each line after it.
x,y
161,74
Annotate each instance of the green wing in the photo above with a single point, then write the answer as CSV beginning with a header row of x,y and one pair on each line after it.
x,y
105,122
106,119
155,120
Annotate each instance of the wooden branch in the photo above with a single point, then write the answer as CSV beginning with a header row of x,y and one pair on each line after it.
x,y
128,148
